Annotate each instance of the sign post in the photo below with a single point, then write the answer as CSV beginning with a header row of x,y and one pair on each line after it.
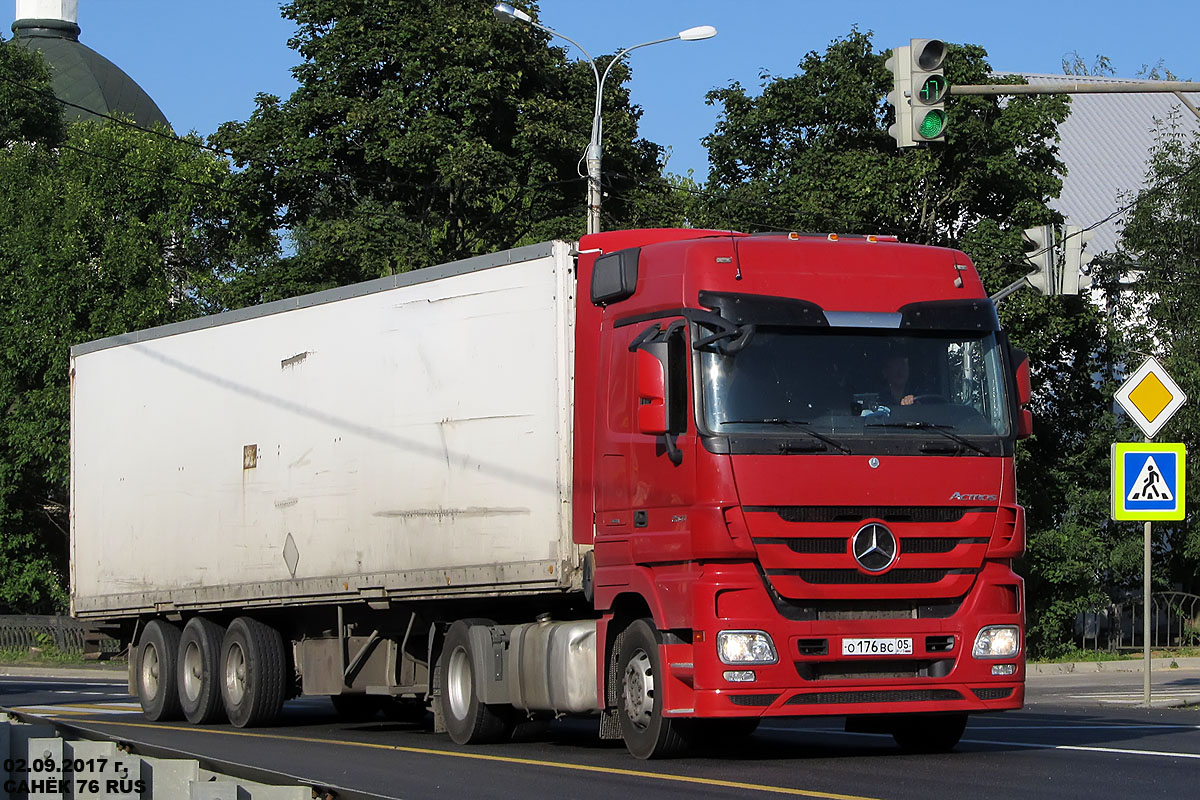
x,y
1148,480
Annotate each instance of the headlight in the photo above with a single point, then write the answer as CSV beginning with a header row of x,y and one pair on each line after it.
x,y
746,647
997,641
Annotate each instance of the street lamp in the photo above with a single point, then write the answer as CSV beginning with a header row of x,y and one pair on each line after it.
x,y
506,13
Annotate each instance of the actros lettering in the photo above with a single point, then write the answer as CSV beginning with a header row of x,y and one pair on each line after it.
x,y
984,497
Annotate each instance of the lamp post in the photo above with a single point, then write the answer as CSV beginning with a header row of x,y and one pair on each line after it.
x,y
506,13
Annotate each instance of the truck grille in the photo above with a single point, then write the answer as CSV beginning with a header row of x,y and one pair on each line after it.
x,y
925,514
872,670
827,577
805,551
829,545
893,696
829,610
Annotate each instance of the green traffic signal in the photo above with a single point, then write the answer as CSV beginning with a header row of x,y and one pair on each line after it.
x,y
932,124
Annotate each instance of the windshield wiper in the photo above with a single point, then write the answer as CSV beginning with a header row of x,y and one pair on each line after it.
x,y
797,424
943,430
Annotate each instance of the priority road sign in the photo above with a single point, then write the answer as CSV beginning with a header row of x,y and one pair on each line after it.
x,y
1150,397
1148,481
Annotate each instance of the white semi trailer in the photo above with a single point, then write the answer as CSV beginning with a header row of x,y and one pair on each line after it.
x,y
328,466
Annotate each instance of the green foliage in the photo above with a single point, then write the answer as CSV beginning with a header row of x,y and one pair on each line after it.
x,y
109,231
1154,293
26,116
812,152
424,132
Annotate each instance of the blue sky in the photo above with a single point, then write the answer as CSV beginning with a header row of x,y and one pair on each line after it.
x,y
204,60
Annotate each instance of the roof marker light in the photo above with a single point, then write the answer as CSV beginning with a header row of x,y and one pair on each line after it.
x,y
833,237
872,238
795,237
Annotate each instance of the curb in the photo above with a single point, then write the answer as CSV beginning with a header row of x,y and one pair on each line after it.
x,y
106,672
1127,665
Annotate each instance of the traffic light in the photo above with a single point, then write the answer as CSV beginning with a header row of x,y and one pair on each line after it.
x,y
928,86
901,68
1075,241
1040,249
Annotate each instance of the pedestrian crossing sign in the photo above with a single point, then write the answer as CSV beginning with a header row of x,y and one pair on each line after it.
x,y
1148,481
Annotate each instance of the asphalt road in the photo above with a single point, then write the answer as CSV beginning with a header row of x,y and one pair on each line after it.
x,y
1080,736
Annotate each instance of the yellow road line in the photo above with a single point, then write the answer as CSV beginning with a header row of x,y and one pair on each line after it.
x,y
531,762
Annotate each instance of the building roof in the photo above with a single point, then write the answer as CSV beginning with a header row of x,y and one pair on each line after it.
x,y
83,77
1106,144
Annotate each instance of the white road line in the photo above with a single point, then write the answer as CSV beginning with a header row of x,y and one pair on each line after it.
x,y
1164,726
1027,745
1084,748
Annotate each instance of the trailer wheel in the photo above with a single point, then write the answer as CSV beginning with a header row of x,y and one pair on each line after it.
x,y
253,679
157,652
468,721
647,733
200,671
936,733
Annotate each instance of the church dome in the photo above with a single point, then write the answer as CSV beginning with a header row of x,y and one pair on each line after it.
x,y
81,76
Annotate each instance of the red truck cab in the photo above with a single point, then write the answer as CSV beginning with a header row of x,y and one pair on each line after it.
x,y
794,465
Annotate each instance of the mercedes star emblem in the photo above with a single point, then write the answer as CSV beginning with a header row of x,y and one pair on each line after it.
x,y
875,547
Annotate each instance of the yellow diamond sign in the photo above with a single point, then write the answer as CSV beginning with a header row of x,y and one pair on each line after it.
x,y
1150,397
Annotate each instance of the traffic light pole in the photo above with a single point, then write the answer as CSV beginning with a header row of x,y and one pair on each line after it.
x,y
1176,88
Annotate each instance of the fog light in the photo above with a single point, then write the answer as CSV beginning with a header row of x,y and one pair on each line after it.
x,y
746,647
1004,669
997,641
739,675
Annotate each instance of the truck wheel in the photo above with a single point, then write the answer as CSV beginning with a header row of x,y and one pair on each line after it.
x,y
936,733
468,721
200,671
357,707
157,652
647,733
253,666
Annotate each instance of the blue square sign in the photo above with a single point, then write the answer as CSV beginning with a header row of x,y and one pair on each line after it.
x,y
1148,481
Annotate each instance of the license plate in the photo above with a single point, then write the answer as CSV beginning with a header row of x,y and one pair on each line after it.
x,y
877,647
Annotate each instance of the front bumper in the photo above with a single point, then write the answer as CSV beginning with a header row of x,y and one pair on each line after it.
x,y
811,675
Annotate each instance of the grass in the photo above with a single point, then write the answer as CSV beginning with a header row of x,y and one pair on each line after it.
x,y
1089,656
45,656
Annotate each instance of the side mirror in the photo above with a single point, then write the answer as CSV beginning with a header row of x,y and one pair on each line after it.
x,y
1024,393
651,390
1024,423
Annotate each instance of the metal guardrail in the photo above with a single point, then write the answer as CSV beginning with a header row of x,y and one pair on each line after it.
x,y
1174,622
64,634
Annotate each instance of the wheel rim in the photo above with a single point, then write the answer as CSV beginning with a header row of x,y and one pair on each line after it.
x,y
639,689
150,668
193,667
235,673
458,682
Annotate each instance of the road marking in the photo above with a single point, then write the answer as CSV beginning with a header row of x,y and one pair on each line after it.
x,y
1088,727
528,762
1086,749
1030,745
81,708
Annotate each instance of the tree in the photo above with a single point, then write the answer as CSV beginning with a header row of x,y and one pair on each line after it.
x,y
424,132
812,152
1154,294
103,229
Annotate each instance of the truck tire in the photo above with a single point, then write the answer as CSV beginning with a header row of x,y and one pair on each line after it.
x,y
936,733
647,733
468,721
157,653
253,667
199,671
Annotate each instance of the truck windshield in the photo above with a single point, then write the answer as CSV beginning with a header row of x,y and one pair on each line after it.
x,y
847,381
